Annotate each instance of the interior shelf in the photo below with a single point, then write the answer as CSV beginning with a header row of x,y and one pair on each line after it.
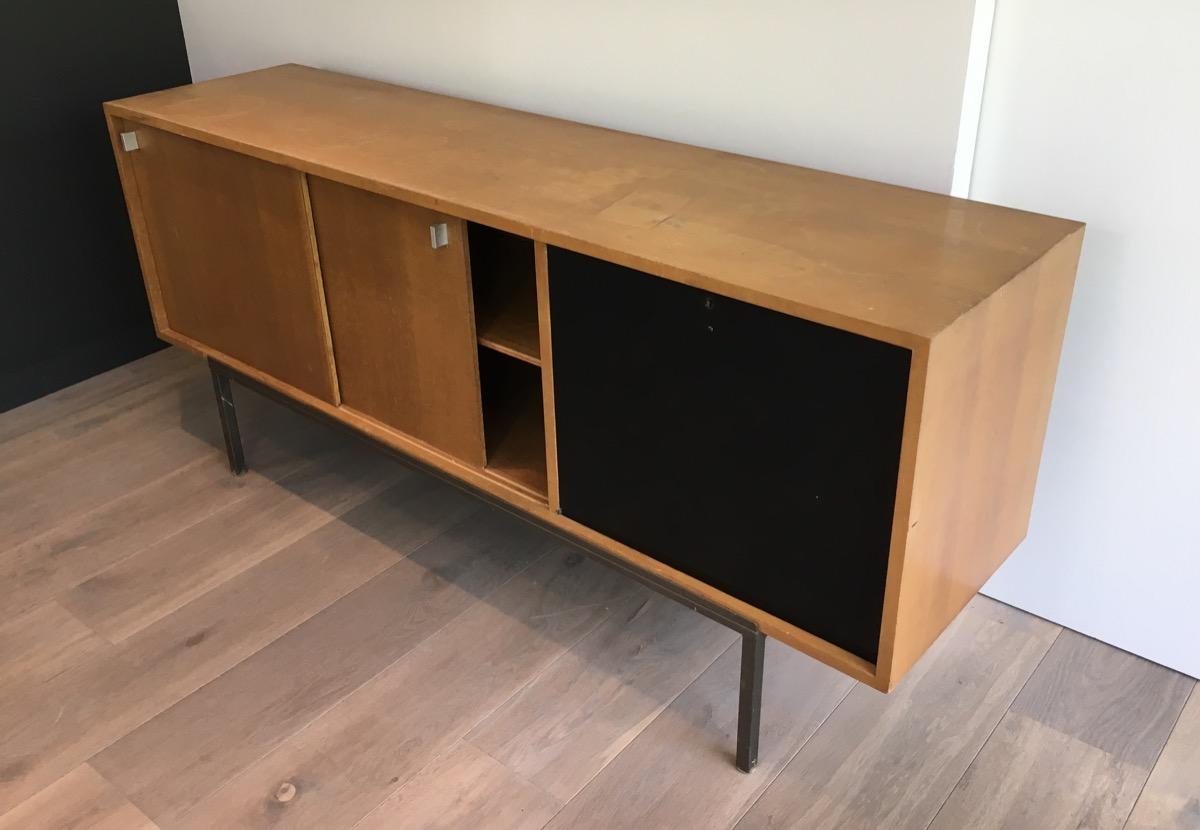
x,y
513,425
502,278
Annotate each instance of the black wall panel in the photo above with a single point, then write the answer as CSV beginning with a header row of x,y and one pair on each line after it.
x,y
756,451
71,296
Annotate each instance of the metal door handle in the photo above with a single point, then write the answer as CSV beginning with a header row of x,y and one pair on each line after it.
x,y
439,235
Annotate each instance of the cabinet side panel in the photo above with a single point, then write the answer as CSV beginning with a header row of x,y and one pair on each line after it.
x,y
400,311
987,399
752,450
231,241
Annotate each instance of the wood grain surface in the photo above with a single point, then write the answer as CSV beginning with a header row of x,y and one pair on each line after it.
x,y
881,260
679,772
234,256
400,315
974,431
565,726
891,761
1171,798
180,757
1076,746
346,761
80,800
464,788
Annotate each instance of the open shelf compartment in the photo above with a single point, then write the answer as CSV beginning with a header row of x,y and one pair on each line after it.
x,y
513,425
502,278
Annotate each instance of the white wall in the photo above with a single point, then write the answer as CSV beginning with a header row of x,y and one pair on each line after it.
x,y
1092,110
865,87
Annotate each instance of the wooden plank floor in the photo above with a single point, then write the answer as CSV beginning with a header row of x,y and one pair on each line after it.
x,y
337,641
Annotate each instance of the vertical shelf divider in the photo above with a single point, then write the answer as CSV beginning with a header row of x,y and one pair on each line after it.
x,y
542,276
508,325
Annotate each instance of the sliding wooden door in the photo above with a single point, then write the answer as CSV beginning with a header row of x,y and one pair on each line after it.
x,y
399,297
233,253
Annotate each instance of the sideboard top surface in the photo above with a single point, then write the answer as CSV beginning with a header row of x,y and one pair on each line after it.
x,y
885,261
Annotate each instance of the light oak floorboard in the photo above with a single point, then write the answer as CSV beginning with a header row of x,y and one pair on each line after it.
x,y
1171,798
1030,775
51,724
48,728
32,506
102,448
78,548
563,728
80,800
68,444
122,600
1106,697
465,789
679,772
98,391
41,644
221,628
180,757
891,760
1076,746
102,441
355,755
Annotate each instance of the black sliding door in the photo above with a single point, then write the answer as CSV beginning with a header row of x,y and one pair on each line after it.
x,y
755,451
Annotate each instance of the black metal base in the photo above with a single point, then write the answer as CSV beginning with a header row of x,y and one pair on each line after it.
x,y
753,641
754,646
228,415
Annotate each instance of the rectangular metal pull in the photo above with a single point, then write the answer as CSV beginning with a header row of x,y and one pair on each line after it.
x,y
129,141
439,235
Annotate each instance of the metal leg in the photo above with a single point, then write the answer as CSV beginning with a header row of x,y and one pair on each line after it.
x,y
750,699
229,424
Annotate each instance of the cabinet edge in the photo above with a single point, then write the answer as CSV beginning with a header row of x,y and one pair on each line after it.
x,y
988,384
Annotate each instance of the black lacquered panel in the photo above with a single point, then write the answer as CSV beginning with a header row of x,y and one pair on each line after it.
x,y
755,451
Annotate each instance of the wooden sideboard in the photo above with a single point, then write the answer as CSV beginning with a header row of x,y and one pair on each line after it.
x,y
813,403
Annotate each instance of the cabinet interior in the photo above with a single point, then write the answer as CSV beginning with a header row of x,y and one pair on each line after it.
x,y
502,278
506,323
513,422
